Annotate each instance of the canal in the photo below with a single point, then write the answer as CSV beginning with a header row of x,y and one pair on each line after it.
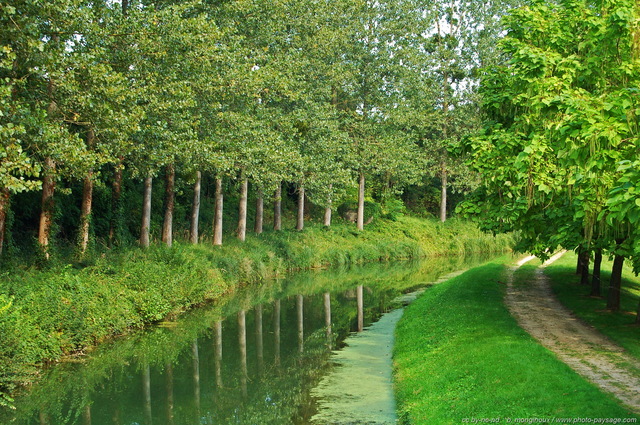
x,y
264,355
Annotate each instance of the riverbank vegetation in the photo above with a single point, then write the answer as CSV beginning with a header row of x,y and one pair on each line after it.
x,y
67,307
460,354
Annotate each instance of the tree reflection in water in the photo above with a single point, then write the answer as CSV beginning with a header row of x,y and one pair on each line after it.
x,y
199,371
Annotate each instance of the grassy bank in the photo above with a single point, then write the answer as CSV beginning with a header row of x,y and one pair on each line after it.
x,y
460,355
616,325
46,313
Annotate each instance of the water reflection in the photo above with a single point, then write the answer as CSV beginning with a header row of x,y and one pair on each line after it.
x,y
360,300
327,318
218,352
204,369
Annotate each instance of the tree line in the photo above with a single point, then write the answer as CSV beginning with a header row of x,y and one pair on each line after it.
x,y
559,150
322,96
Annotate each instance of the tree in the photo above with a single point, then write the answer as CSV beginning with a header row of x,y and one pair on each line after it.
x,y
561,127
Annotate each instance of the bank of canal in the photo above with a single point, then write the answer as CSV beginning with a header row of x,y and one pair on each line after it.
x,y
259,357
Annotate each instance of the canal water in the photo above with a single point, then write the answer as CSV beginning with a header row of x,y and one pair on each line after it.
x,y
258,357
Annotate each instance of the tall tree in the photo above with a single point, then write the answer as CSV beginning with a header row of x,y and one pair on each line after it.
x,y
560,127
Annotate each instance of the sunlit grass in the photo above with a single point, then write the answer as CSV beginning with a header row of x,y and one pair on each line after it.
x,y
460,354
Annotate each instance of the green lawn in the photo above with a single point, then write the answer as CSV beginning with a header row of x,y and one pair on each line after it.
x,y
460,356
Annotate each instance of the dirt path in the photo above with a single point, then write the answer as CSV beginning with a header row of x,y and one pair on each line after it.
x,y
578,345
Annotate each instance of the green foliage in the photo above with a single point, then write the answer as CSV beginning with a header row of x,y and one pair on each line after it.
x,y
561,126
460,354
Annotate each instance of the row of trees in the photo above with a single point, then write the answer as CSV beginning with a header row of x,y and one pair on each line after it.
x,y
559,155
318,93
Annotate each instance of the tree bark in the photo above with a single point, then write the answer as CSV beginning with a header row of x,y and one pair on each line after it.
x,y
443,194
217,219
300,217
146,213
327,216
584,268
613,299
115,201
595,278
85,213
87,200
360,219
579,261
170,202
4,209
195,209
259,213
277,208
242,209
47,204
327,211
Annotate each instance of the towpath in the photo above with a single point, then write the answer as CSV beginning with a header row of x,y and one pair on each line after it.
x,y
579,345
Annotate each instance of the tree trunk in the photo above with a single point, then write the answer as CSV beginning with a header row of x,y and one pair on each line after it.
x,y
85,213
595,278
443,195
146,212
327,211
217,219
47,204
579,261
170,202
584,268
277,208
195,209
327,216
613,299
87,199
259,213
4,209
360,219
242,210
116,193
300,218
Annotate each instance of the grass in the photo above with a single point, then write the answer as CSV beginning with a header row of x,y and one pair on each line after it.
x,y
460,356
66,307
618,326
